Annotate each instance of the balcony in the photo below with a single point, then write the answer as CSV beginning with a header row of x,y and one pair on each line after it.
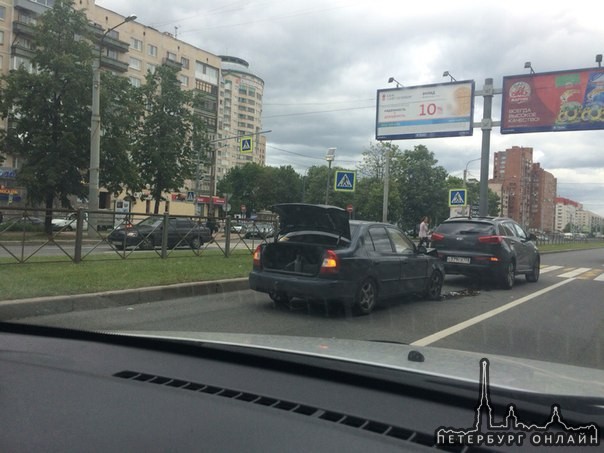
x,y
113,64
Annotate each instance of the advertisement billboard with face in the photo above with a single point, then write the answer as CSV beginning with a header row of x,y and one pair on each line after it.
x,y
554,101
439,110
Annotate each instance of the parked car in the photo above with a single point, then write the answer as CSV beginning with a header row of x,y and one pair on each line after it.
x,y
320,254
493,246
238,228
148,234
260,230
69,223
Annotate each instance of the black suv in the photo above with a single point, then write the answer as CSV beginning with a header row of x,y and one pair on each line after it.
x,y
496,246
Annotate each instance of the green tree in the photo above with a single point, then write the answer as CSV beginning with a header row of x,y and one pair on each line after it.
x,y
164,149
48,108
369,197
258,187
121,112
422,186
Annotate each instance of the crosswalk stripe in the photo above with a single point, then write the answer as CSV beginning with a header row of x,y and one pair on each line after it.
x,y
546,269
600,278
574,273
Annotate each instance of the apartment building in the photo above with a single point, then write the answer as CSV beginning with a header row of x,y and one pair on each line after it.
x,y
566,213
527,191
241,115
133,49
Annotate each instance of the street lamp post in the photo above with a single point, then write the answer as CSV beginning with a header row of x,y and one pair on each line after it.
x,y
95,133
329,157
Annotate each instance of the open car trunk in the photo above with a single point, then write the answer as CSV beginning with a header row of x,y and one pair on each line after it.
x,y
292,257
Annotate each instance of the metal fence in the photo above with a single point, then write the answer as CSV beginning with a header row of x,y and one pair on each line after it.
x,y
79,235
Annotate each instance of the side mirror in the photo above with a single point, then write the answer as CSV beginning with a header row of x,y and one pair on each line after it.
x,y
532,237
422,249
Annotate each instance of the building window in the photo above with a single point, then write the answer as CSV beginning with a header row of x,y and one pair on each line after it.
x,y
1,38
2,12
136,44
111,53
113,34
152,50
206,73
135,82
135,63
151,68
184,80
184,62
171,56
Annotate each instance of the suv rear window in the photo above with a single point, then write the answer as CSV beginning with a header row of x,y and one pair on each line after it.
x,y
466,228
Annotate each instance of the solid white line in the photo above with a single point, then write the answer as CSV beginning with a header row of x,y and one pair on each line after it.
x,y
574,273
547,269
489,314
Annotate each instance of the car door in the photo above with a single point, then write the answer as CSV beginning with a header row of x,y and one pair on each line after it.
x,y
525,249
384,260
414,267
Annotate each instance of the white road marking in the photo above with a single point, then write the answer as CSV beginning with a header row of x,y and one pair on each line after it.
x,y
574,273
600,278
489,314
546,269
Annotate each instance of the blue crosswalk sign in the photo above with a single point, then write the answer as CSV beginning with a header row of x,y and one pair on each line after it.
x,y
457,197
345,181
246,145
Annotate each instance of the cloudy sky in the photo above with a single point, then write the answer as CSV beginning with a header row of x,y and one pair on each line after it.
x,y
323,61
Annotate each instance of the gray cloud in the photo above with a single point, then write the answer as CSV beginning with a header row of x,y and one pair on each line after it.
x,y
322,62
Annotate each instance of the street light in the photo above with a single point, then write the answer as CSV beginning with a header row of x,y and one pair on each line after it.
x,y
95,133
465,172
448,74
398,84
528,65
599,60
329,157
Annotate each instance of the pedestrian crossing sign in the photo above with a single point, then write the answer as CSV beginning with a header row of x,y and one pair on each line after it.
x,y
345,181
457,197
245,146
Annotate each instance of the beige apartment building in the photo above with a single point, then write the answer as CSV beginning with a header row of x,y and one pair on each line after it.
x,y
233,104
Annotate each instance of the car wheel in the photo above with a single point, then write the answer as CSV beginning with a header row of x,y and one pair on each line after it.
x,y
508,276
146,244
196,243
280,298
434,286
533,275
366,297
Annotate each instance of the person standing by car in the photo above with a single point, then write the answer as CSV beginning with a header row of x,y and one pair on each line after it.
x,y
424,237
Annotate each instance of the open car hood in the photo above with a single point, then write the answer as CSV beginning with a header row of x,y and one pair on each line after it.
x,y
312,217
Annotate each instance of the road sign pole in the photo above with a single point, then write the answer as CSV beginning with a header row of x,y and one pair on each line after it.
x,y
486,126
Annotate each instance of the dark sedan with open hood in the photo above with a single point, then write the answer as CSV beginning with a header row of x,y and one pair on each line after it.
x,y
319,254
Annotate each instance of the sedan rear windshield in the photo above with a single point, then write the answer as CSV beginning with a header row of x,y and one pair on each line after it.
x,y
466,228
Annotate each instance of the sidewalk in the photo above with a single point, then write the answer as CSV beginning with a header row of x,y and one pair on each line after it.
x,y
38,306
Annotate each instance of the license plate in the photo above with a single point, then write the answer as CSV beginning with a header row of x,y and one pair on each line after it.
x,y
458,259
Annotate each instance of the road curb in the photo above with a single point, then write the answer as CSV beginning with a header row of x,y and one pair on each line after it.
x,y
40,306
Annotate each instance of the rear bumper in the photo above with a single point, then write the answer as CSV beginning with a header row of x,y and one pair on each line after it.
x,y
303,287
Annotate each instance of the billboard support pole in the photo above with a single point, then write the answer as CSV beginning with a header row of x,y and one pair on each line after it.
x,y
486,126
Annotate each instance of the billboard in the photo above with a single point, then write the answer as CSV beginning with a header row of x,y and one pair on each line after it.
x,y
553,101
427,111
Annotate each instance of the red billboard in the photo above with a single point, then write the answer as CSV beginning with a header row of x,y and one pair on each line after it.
x,y
554,101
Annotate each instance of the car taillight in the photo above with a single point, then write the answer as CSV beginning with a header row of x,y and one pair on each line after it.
x,y
257,256
490,239
437,237
331,263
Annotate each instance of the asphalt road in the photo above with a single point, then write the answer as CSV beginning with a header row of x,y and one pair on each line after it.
x,y
558,319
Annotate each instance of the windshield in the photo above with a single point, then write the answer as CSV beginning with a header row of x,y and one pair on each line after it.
x,y
458,143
